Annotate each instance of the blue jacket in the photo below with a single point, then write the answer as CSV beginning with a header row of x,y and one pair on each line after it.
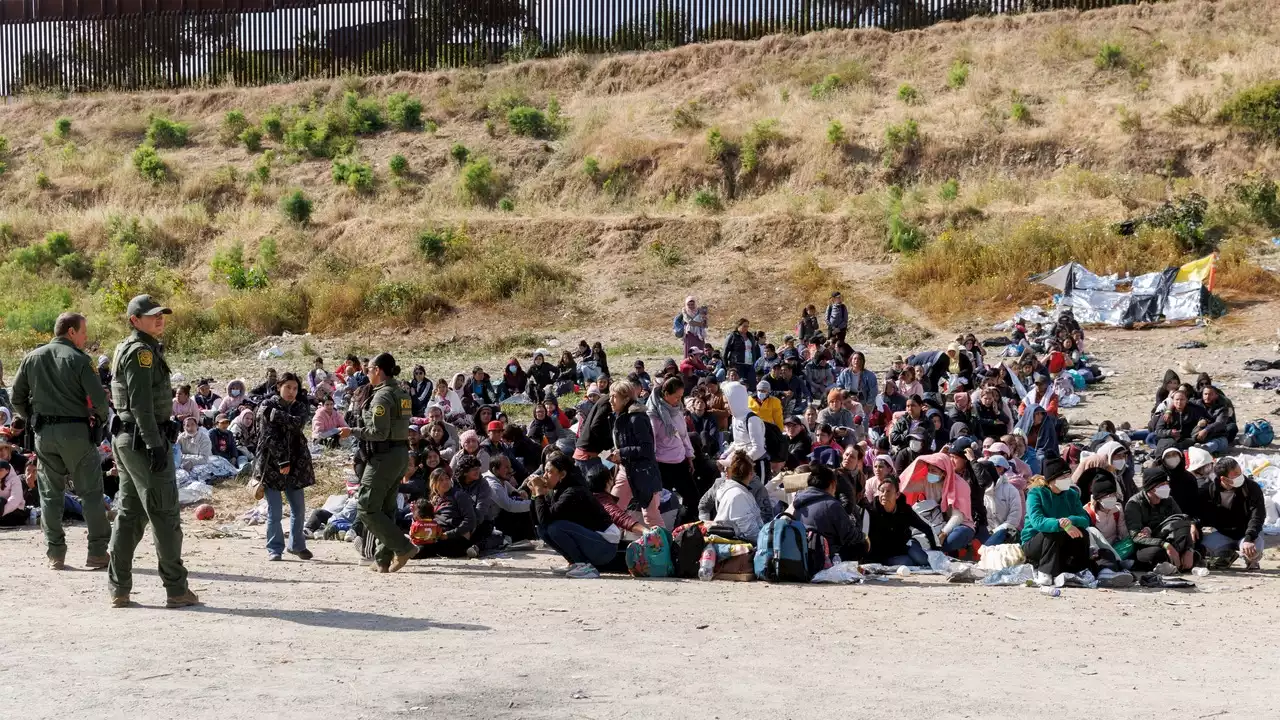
x,y
864,382
823,514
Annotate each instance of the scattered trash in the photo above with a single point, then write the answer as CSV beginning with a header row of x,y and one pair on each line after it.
x,y
701,627
1016,575
1257,365
204,512
903,571
272,352
1190,345
1051,591
1200,572
195,492
579,695
842,573
1269,382
1012,617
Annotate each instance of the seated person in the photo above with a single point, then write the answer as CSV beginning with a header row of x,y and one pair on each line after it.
x,y
764,404
1159,543
602,480
222,442
1004,505
185,406
1055,535
882,468
454,513
891,523
799,444
327,424
1232,514
469,443
194,444
424,530
571,521
825,450
736,505
1180,423
1106,523
1220,432
467,474
13,505
817,507
511,512
948,501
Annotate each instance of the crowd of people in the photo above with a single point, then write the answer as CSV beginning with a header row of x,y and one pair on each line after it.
x,y
948,450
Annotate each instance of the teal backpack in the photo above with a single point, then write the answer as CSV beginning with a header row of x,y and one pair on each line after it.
x,y
1258,434
650,556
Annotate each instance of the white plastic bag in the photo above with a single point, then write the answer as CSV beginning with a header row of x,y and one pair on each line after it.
x,y
1016,575
195,492
842,573
999,557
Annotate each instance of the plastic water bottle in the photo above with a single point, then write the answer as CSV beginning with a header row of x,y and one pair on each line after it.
x,y
707,565
1052,591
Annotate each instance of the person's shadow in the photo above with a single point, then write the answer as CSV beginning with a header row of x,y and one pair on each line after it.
x,y
228,577
342,619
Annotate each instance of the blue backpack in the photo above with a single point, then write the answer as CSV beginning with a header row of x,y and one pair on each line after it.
x,y
677,325
782,551
650,556
1258,434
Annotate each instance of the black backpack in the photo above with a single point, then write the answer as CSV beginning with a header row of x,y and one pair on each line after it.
x,y
689,544
775,441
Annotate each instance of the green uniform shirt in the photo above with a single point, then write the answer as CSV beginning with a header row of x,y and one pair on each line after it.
x,y
140,386
59,379
387,416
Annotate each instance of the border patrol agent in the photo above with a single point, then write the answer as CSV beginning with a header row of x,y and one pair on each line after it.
x,y
50,391
142,438
385,439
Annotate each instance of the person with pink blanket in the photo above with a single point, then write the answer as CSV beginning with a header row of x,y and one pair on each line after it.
x,y
942,498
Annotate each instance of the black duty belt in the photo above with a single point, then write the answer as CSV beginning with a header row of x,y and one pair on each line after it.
x,y
381,446
43,421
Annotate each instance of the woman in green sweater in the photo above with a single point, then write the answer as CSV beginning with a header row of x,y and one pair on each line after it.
x,y
1055,535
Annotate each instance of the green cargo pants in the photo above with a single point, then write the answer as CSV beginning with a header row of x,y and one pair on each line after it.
x,y
67,457
376,502
145,496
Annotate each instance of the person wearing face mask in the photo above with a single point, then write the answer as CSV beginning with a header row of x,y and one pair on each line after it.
x,y
1200,465
1107,523
230,404
1112,459
1160,540
1055,533
764,404
948,499
916,445
1233,512
1003,502
1183,487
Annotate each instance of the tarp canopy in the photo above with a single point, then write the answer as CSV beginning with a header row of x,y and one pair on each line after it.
x,y
1172,295
1074,276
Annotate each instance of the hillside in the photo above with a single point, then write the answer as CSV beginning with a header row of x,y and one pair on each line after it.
x,y
590,192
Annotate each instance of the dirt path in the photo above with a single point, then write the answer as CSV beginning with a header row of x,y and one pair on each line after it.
x,y
461,639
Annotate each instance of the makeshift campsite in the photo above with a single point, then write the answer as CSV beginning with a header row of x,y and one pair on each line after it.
x,y
1171,295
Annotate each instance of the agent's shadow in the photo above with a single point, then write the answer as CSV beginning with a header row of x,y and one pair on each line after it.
x,y
228,577
343,619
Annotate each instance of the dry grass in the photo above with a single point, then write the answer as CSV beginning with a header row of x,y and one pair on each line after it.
x,y
644,118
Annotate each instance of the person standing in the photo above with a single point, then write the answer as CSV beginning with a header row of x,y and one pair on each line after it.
x,y
837,319
142,442
50,391
741,350
694,317
384,436
284,466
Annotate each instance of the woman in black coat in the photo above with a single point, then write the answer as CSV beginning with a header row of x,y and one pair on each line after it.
x,y
634,451
283,465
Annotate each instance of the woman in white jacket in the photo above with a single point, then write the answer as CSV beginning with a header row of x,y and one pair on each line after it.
x,y
194,444
1004,505
736,506
748,432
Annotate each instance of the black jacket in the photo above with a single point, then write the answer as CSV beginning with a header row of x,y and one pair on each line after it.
x,y
798,449
735,348
633,437
823,514
595,427
891,531
991,422
571,502
1139,514
1222,419
1178,429
543,375
1241,516
455,513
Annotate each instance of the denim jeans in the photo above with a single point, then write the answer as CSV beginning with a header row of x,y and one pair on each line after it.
x,y
915,556
1215,446
1219,545
297,520
999,537
957,539
577,544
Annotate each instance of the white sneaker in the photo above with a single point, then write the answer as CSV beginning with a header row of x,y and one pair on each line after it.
x,y
583,571
1165,568
560,570
1113,579
1043,579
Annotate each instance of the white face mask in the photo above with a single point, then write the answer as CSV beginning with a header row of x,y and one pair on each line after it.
x,y
762,395
934,478
915,445
1063,483
1162,492
1118,464
1171,462
1110,503
235,393
1237,481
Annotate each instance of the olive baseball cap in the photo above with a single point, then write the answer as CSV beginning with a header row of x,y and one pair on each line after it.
x,y
145,306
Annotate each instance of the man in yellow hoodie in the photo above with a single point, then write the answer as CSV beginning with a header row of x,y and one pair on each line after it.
x,y
764,404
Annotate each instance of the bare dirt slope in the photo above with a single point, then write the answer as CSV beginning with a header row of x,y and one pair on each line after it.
x,y
463,639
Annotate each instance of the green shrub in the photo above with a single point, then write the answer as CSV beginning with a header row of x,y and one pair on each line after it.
x,y
398,165
404,112
1256,109
233,124
708,200
4,146
76,266
42,181
591,167
901,140
825,87
1018,112
1130,120
38,311
665,255
442,247
327,137
763,133
1191,111
3,167
950,190
62,127
720,148
908,94
1260,195
364,115
252,139
262,168
506,204
354,174
297,207
408,301
460,153
57,245
835,133
164,133
480,184
273,124
958,74
50,251
902,236
228,266
149,164
1109,57
268,254
529,122
687,116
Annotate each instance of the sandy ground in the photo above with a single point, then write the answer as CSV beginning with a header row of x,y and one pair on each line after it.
x,y
462,639
470,639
